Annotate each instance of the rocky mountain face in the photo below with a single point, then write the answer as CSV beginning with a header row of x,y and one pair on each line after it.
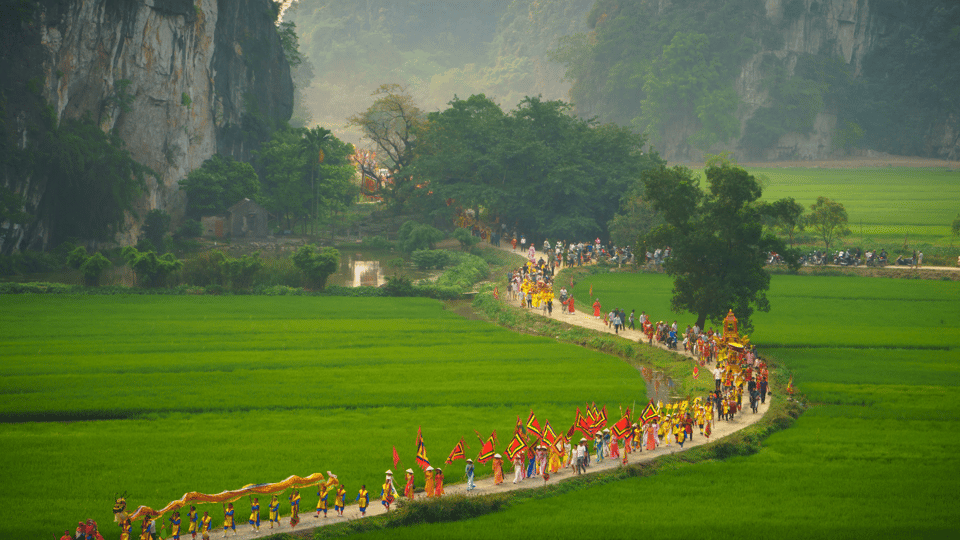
x,y
774,79
179,80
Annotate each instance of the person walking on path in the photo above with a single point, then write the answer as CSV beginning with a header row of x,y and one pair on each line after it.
x,y
363,498
408,488
497,469
469,472
596,309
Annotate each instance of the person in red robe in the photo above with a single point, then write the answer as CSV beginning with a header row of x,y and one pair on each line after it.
x,y
596,308
408,489
570,303
497,469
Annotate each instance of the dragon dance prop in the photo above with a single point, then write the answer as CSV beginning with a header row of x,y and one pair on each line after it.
x,y
293,481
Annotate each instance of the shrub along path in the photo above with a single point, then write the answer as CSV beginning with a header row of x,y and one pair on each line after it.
x,y
455,480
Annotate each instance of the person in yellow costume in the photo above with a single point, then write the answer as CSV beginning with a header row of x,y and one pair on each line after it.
x,y
274,511
193,522
206,524
294,508
175,526
428,483
363,497
125,527
338,502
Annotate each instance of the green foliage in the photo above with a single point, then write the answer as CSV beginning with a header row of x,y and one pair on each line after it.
x,y
466,238
380,243
77,257
955,226
218,184
151,270
717,247
415,236
240,271
466,270
185,100
540,168
12,214
298,187
316,265
156,227
784,215
93,268
828,220
426,259
190,228
120,97
93,180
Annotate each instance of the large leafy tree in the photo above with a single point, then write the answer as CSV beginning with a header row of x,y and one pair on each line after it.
x,y
218,184
716,238
300,186
391,123
538,169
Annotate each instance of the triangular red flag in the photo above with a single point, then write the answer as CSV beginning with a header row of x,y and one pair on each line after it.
x,y
696,372
533,425
457,452
516,446
396,457
487,452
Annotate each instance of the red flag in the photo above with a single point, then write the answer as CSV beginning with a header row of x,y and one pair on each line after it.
x,y
584,424
548,434
487,452
533,425
519,428
790,386
571,430
651,413
600,419
622,427
696,372
396,457
496,293
456,453
422,460
516,446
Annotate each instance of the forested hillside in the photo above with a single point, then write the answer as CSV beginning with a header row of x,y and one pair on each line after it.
x,y
776,79
437,48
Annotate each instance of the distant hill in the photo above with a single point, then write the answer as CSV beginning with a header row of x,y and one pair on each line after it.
x,y
437,48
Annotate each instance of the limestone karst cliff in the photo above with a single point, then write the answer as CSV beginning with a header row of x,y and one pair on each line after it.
x,y
178,80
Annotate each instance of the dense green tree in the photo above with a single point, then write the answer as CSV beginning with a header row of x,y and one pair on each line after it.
x,y
218,184
785,216
93,181
717,245
316,265
297,186
828,219
156,227
415,236
539,169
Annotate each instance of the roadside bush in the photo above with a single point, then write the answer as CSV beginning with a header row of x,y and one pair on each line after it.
x,y
377,242
465,271
317,265
240,271
151,269
93,268
466,238
426,259
414,236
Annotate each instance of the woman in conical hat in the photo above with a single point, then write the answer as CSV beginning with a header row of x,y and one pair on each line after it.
x,y
497,469
428,483
408,488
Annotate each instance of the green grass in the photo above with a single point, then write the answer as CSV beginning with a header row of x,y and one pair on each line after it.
x,y
160,395
890,203
876,454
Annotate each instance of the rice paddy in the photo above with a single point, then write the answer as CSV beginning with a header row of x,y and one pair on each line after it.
x,y
160,395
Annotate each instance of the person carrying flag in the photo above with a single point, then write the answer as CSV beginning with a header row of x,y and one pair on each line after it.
x,y
428,483
255,515
194,527
274,509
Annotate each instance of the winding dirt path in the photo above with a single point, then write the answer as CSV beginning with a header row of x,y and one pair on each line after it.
x,y
454,473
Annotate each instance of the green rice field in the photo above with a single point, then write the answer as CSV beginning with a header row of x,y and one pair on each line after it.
x,y
884,204
876,455
160,395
